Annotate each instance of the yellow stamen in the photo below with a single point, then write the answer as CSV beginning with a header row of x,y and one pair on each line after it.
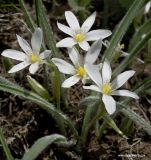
x,y
33,58
106,89
121,46
81,72
79,37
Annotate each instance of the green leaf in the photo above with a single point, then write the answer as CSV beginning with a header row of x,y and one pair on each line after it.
x,y
44,23
93,113
75,5
122,28
38,88
28,18
136,118
10,87
142,31
41,144
111,122
5,146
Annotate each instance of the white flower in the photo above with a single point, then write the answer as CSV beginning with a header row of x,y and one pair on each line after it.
x,y
30,56
108,88
80,35
77,70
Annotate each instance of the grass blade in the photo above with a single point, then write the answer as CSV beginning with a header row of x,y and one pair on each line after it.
x,y
44,23
41,144
122,28
5,146
28,18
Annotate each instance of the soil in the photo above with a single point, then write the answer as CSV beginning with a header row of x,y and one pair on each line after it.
x,y
23,122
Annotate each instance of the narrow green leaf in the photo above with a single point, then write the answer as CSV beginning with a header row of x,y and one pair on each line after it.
x,y
10,87
28,18
41,144
44,23
142,31
5,146
93,113
38,88
111,122
136,118
122,28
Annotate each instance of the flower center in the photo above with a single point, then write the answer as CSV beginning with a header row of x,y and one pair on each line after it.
x,y
81,72
79,37
33,58
120,46
106,89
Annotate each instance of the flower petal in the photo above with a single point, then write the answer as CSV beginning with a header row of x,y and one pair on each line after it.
x,y
66,42
45,54
97,34
93,52
72,20
84,45
18,67
121,79
70,81
36,40
24,45
106,72
89,22
14,54
92,87
125,93
64,66
110,103
94,74
65,29
33,68
75,57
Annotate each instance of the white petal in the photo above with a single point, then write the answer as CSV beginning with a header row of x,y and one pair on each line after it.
x,y
14,54
24,45
97,34
66,42
92,87
65,29
122,78
147,7
45,54
63,66
110,103
36,40
75,57
106,72
94,74
33,68
70,81
125,93
84,45
89,22
93,52
72,20
18,67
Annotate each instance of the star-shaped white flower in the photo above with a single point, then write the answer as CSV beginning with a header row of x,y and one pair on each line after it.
x,y
77,70
30,56
80,35
108,88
